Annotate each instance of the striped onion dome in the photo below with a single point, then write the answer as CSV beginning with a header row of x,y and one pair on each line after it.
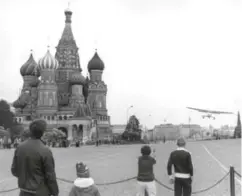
x,y
48,62
30,68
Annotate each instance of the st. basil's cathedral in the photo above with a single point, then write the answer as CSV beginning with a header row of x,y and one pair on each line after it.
x,y
55,90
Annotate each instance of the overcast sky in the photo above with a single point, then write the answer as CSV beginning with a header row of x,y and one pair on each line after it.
x,y
160,55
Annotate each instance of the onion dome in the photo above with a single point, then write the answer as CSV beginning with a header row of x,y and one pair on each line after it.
x,y
20,103
48,62
16,104
29,68
95,63
77,78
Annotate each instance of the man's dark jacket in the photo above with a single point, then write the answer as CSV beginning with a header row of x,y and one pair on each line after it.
x,y
33,165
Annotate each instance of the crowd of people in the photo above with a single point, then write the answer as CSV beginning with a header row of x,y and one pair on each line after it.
x,y
34,167
6,142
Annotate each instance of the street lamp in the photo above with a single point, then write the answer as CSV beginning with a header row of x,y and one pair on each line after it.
x,y
128,112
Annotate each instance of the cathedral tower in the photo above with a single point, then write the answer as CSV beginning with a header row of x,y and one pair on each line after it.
x,y
27,100
68,58
97,88
47,89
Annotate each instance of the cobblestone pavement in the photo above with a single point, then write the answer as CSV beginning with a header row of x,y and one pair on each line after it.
x,y
113,163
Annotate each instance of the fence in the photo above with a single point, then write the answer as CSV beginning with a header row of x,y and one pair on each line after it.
x,y
232,172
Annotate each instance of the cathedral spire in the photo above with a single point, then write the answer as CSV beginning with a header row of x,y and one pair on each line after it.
x,y
67,36
68,14
67,51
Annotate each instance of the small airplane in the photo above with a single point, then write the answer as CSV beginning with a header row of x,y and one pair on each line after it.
x,y
209,112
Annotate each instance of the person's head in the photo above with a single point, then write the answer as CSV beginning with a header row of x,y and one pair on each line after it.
x,y
37,128
181,142
82,170
145,150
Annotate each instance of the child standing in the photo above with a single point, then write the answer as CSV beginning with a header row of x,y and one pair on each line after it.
x,y
84,184
146,178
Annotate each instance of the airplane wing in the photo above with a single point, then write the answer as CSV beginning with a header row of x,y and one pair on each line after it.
x,y
210,111
199,110
220,112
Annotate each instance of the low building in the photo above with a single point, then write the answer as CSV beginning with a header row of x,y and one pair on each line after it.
x,y
188,130
118,129
167,131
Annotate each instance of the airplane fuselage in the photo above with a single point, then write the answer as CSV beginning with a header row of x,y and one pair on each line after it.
x,y
208,116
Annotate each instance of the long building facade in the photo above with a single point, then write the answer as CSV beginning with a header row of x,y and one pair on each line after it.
x,y
172,132
55,90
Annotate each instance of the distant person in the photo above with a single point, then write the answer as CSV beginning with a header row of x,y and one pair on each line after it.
x,y
182,162
84,184
146,178
9,143
34,166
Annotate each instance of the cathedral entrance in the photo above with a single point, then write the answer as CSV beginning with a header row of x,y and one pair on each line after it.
x,y
77,132
64,130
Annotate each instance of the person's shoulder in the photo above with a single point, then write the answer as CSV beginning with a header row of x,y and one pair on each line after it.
x,y
23,144
151,158
174,152
184,151
46,151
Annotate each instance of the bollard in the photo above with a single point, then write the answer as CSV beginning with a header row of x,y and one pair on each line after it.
x,y
232,184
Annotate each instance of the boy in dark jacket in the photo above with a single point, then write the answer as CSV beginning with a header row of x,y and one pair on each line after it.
x,y
182,162
146,176
84,184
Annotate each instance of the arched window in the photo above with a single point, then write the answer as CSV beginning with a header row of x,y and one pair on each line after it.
x,y
65,117
60,117
53,117
48,117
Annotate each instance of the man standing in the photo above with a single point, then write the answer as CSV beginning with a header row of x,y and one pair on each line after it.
x,y
182,162
33,164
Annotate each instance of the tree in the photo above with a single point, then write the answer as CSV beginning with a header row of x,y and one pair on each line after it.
x,y
54,134
16,130
132,131
6,116
237,131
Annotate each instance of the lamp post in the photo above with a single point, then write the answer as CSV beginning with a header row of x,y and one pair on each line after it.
x,y
128,112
